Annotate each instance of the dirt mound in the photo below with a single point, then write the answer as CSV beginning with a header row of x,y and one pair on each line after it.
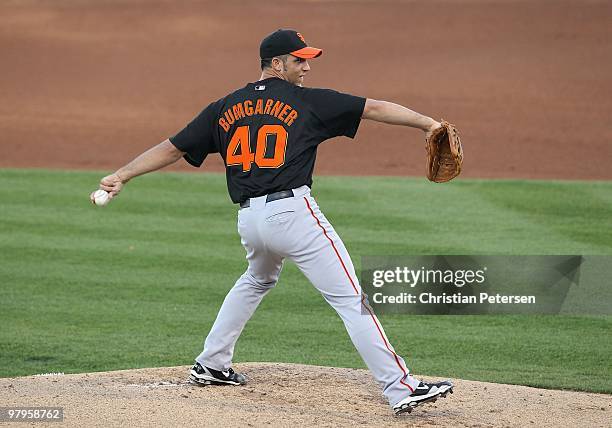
x,y
290,395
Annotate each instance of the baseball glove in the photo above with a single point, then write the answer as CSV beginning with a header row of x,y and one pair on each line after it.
x,y
444,153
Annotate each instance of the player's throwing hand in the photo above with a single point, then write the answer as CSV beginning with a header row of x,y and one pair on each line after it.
x,y
112,184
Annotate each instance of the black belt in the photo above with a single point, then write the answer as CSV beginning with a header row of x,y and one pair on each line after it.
x,y
271,197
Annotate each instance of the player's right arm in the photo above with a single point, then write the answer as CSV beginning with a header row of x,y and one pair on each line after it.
x,y
395,114
157,157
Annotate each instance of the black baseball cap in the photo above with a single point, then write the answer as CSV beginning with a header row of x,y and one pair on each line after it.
x,y
282,42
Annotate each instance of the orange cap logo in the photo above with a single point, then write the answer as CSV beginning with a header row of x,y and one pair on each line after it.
x,y
301,37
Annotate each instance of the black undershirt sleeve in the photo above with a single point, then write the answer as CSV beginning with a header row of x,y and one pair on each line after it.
x,y
339,113
196,139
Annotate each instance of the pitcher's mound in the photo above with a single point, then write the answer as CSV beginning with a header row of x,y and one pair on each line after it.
x,y
290,395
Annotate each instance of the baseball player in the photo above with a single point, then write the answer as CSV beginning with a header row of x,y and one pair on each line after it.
x,y
267,133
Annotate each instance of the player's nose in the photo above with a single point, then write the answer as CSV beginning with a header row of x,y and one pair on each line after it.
x,y
306,66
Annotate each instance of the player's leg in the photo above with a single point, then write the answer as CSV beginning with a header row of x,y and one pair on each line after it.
x,y
318,251
242,300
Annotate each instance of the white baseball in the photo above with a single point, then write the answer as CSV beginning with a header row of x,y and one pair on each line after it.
x,y
100,198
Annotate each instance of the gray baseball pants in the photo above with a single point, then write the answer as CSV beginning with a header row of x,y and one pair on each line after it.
x,y
294,228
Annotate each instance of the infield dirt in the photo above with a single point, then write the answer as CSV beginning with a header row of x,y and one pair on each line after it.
x,y
291,395
92,84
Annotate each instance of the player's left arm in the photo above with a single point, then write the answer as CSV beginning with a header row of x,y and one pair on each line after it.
x,y
157,157
395,114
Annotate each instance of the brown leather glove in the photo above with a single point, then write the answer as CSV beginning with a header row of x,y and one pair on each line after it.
x,y
444,153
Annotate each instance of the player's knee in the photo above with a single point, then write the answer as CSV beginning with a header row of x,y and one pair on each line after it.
x,y
262,282
342,301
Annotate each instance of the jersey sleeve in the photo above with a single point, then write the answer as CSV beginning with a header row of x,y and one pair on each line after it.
x,y
196,139
339,113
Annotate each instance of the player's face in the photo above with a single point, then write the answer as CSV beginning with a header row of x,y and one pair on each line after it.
x,y
294,70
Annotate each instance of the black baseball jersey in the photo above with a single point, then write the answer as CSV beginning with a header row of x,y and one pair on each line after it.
x,y
267,134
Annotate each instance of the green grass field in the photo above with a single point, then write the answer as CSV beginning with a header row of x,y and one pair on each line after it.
x,y
138,283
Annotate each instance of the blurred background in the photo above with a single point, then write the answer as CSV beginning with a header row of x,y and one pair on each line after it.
x,y
91,84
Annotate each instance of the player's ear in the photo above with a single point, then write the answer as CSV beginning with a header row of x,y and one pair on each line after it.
x,y
277,64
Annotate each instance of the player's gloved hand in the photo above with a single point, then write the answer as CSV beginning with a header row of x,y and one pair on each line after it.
x,y
112,184
444,153
435,125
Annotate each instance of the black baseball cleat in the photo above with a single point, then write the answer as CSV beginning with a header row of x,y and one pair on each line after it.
x,y
424,393
203,375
